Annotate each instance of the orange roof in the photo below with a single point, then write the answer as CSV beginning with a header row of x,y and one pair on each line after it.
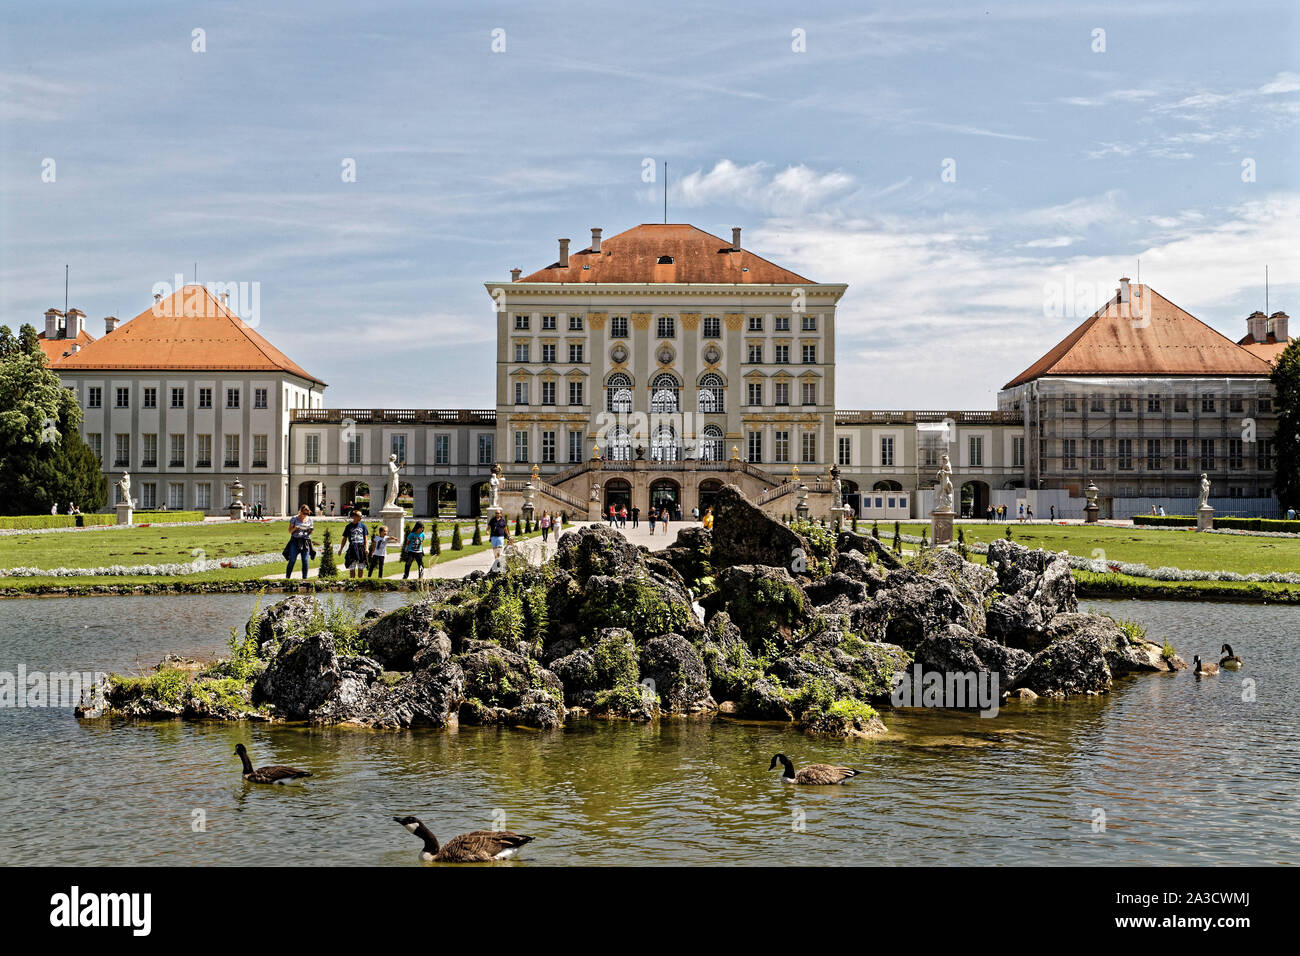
x,y
188,330
54,348
1155,337
1269,350
696,256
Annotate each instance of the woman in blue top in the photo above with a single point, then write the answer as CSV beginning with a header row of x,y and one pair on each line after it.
x,y
413,550
300,529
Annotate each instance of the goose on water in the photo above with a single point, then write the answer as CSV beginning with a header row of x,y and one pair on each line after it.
x,y
274,774
1229,659
480,846
818,774
1203,669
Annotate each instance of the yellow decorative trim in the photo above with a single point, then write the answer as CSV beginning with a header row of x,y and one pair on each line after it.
x,y
734,320
640,320
690,321
597,320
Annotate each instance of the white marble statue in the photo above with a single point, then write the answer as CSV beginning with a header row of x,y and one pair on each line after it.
x,y
943,492
1205,490
494,486
390,500
125,484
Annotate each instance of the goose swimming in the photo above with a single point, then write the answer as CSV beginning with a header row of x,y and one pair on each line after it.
x,y
479,846
818,774
1229,659
273,774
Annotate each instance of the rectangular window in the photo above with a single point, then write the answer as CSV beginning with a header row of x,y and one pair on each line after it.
x,y
782,355
1153,454
1264,454
975,444
202,451
755,352
781,323
205,398
1266,404
1180,403
178,398
231,458
575,447
809,323
232,398
149,450
575,393
887,451
1097,402
122,398
1124,454
1207,454
755,444
548,323
1153,402
176,495
809,443
756,323
311,449
397,446
96,442
810,355
1096,454
259,493
485,449
1236,454
782,392
121,450
666,327
149,398
521,322
521,447
1207,403
259,398
1180,454
754,392
712,327
442,449
203,496
1070,403
548,393
781,447
176,450
575,352
845,451
618,327
354,450
148,496
1018,452
1069,454
1236,404
575,323
521,393
94,397
521,351
259,451
548,353
1124,403
548,447
809,390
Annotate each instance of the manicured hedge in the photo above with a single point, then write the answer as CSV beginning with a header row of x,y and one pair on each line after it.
x,y
1221,524
35,522
149,517
1179,521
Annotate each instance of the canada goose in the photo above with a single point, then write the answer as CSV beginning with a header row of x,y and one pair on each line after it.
x,y
1229,659
275,774
1204,670
814,773
480,846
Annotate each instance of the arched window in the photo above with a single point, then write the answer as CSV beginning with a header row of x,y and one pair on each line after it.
x,y
618,394
711,392
664,392
663,444
620,445
711,443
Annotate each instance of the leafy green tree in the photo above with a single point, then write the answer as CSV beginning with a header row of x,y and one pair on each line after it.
x,y
456,543
1286,389
328,567
435,545
43,460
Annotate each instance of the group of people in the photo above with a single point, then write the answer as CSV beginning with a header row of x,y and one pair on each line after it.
x,y
364,551
72,508
999,513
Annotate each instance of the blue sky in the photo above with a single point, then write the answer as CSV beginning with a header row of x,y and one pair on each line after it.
x,y
1071,163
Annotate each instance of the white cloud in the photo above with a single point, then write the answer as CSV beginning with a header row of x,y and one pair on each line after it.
x,y
790,191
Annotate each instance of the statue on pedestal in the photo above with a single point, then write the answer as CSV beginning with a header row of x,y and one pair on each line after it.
x,y
494,486
390,499
1205,490
943,491
125,484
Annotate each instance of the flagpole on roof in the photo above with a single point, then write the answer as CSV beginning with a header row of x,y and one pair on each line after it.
x,y
665,192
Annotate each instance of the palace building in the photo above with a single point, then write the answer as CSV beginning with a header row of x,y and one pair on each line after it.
x,y
659,364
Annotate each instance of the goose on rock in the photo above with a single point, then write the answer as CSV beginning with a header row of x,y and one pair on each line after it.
x,y
275,774
817,774
1229,659
480,846
1203,669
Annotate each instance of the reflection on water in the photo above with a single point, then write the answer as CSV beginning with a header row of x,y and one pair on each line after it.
x,y
1185,770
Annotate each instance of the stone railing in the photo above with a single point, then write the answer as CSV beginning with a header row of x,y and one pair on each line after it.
x,y
911,417
438,416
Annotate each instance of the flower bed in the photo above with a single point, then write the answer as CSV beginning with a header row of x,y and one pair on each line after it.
x,y
150,570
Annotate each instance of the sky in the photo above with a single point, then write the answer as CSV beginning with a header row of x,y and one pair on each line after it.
x,y
965,168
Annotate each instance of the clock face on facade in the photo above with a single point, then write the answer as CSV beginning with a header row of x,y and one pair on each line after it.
x,y
619,353
666,354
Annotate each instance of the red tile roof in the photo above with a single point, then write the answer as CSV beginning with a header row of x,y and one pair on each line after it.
x,y
54,348
1268,350
697,256
1155,338
189,330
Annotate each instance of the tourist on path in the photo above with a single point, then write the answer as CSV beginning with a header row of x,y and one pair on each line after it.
x,y
301,526
636,517
650,518
354,543
546,525
498,532
379,550
708,519
613,514
413,550
622,516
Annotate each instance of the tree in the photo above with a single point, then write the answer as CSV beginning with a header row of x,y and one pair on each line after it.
x,y
478,534
328,567
1286,389
43,460
435,546
898,539
456,544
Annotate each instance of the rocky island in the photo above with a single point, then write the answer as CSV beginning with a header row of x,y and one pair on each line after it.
x,y
753,620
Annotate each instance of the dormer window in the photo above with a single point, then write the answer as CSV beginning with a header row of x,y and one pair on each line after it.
x,y
665,260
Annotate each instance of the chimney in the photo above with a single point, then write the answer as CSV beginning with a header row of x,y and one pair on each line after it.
x,y
564,253
1280,326
52,317
1123,289
110,323
735,238
75,349
595,239
514,274
1257,326
225,300
74,323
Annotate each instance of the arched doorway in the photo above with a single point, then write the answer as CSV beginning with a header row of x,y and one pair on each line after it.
x,y
974,499
441,498
618,492
309,493
886,486
709,489
480,494
665,491
355,494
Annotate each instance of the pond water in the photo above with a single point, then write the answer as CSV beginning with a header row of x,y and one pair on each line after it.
x,y
1184,770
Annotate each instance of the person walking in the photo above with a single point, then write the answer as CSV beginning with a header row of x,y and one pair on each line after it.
x,y
622,516
708,519
546,525
413,550
650,518
695,513
636,517
301,526
379,543
333,509
1051,513
1029,512
613,514
354,543
498,532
